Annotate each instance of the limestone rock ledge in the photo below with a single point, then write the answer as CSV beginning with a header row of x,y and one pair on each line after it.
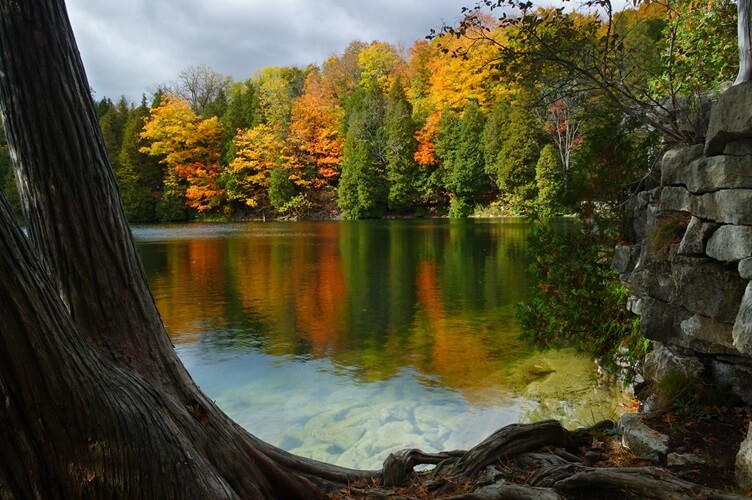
x,y
689,266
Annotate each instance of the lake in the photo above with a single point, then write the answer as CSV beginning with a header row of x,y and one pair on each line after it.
x,y
345,341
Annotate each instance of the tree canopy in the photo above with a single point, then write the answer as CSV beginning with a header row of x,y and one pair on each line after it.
x,y
557,72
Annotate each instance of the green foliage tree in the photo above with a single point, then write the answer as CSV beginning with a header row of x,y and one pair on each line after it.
x,y
276,89
465,174
242,113
378,64
140,177
700,47
576,300
363,189
615,152
112,123
518,156
493,133
281,190
598,49
549,181
401,169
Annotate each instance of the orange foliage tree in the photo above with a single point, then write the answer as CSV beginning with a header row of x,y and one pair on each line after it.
x,y
315,131
190,148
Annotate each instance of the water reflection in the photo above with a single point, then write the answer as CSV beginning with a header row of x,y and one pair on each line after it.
x,y
358,337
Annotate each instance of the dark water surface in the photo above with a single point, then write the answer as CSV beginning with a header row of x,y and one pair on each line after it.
x,y
344,341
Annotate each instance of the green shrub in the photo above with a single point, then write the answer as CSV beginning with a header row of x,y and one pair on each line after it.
x,y
459,207
281,190
575,299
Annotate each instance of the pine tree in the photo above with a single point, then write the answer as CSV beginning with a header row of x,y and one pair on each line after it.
x,y
401,169
139,176
515,163
461,150
363,189
549,181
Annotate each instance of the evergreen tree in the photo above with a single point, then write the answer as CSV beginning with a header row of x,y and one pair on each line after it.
x,y
493,134
551,190
446,151
363,189
401,169
467,178
515,163
281,189
139,175
112,123
242,112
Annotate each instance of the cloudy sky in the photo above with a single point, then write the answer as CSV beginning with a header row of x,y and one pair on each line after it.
x,y
128,47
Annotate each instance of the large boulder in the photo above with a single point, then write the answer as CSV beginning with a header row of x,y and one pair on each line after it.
x,y
707,288
734,374
640,439
745,269
730,243
675,326
664,360
625,258
709,174
696,237
645,213
730,119
674,163
727,206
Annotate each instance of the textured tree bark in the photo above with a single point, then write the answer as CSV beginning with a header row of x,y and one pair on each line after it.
x,y
93,399
96,400
745,41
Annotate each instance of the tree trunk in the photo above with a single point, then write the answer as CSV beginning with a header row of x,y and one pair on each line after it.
x,y
96,400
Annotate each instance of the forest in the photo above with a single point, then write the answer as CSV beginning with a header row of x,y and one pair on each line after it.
x,y
553,112
550,112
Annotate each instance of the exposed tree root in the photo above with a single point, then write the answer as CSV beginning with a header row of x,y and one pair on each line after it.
x,y
550,464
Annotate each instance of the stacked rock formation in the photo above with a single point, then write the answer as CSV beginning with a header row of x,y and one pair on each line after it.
x,y
690,270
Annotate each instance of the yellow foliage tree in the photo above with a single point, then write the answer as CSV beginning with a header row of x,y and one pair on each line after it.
x,y
190,148
257,151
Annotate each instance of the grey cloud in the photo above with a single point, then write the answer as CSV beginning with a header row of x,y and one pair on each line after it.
x,y
129,47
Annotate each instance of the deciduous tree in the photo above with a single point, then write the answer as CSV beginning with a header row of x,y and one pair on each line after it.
x,y
203,88
316,130
189,146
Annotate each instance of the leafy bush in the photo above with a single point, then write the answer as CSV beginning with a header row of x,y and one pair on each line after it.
x,y
281,190
459,207
298,206
575,299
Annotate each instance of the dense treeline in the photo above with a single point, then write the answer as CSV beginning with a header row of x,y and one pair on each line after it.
x,y
466,120
491,115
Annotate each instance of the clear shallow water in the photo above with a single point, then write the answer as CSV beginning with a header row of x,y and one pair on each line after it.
x,y
344,341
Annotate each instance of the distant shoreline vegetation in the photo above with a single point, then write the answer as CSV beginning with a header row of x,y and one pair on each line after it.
x,y
470,121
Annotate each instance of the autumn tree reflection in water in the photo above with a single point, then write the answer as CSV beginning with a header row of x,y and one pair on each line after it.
x,y
375,296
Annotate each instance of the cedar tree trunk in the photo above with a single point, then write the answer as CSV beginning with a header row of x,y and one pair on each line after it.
x,y
95,402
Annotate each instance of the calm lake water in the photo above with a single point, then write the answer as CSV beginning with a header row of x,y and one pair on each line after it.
x,y
344,341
